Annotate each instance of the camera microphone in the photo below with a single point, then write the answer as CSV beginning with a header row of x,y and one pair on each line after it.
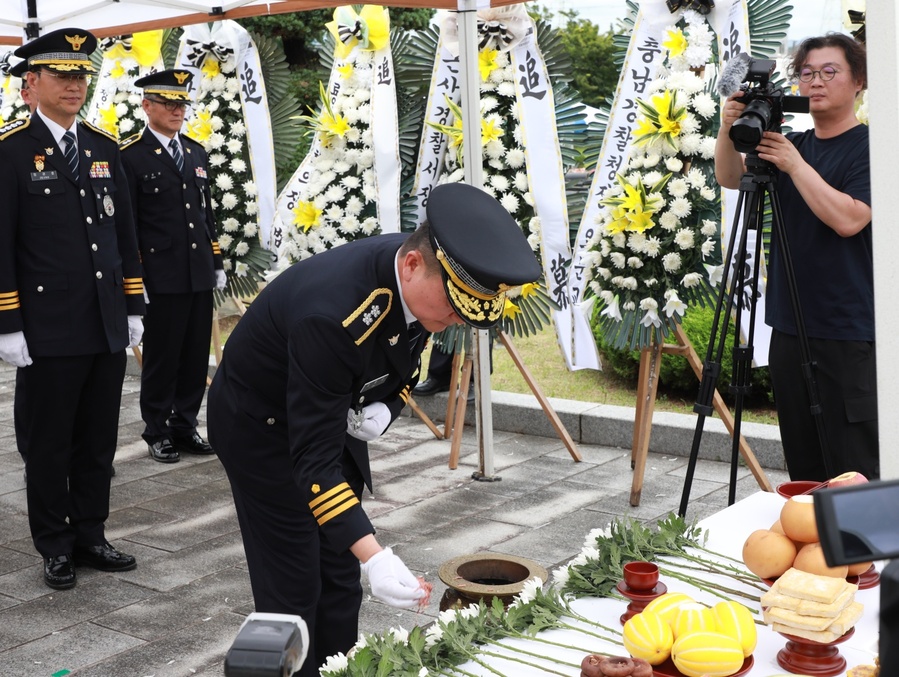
x,y
733,75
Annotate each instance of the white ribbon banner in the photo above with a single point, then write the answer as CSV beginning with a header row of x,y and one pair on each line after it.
x,y
546,177
224,38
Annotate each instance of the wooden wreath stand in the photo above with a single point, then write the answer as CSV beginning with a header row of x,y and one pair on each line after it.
x,y
457,402
647,388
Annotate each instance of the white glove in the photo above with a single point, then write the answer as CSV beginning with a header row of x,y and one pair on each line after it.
x,y
371,424
135,330
220,279
14,349
391,581
146,298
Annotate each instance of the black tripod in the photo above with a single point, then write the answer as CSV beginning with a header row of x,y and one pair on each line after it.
x,y
758,182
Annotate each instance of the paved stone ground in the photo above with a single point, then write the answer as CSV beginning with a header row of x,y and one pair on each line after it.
x,y
178,612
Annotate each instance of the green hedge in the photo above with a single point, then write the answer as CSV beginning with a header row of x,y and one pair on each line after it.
x,y
676,376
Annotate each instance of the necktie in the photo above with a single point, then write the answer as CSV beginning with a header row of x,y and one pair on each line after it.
x,y
176,153
71,152
414,331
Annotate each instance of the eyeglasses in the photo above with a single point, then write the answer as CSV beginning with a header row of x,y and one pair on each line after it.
x,y
172,106
77,78
826,74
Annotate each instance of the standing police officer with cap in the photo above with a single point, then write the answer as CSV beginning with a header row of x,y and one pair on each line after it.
x,y
168,176
71,297
322,363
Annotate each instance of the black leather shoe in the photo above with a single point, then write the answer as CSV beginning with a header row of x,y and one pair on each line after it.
x,y
431,386
164,452
103,558
59,572
193,445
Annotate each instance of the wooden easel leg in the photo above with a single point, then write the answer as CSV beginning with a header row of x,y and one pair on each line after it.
x,y
451,399
459,423
724,413
538,393
424,417
647,389
138,357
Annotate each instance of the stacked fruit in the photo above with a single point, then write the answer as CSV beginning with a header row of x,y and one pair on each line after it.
x,y
792,541
699,640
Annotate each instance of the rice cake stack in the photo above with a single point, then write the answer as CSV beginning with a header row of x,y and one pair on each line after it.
x,y
819,608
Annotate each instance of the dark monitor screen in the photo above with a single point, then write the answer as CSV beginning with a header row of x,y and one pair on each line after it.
x,y
858,523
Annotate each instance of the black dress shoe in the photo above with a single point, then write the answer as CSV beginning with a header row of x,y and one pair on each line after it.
x,y
59,572
431,386
164,452
103,558
193,445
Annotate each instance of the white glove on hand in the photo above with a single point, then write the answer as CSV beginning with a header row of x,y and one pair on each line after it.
x,y
135,330
14,349
376,418
391,581
220,279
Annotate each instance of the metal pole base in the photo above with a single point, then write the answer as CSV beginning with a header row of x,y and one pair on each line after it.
x,y
481,477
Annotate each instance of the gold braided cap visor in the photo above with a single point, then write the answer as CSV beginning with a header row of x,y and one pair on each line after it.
x,y
174,93
475,307
64,62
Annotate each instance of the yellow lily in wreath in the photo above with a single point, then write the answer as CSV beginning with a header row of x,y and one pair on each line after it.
x,y
490,129
633,210
326,121
661,120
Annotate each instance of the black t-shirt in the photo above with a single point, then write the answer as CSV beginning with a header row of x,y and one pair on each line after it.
x,y
834,274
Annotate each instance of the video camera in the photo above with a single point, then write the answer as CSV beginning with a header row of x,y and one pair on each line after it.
x,y
765,106
268,645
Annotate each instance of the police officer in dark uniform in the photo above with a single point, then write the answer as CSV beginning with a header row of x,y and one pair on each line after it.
x,y
71,298
168,176
322,363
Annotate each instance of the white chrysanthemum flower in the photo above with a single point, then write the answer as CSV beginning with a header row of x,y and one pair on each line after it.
x,y
691,279
680,207
618,259
226,263
629,305
707,193
241,249
707,148
238,165
678,187
690,143
233,146
709,228
250,230
653,247
366,158
705,105
669,221
134,99
652,178
350,224
495,151
126,125
619,240
337,664
212,106
651,159
648,303
651,282
521,182
354,205
500,182
630,283
690,124
560,576
335,193
510,201
708,247
216,123
225,241
604,273
229,201
249,187
369,226
673,164
671,262
224,181
121,109
230,225
234,105
684,238
334,213
634,262
216,140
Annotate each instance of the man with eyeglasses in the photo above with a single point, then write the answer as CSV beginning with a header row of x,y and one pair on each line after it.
x,y
71,300
168,175
824,186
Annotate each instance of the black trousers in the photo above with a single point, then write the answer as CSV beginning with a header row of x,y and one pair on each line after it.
x,y
293,568
177,331
847,389
68,415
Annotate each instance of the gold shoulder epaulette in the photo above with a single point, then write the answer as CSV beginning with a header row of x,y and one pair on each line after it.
x,y
131,140
102,132
363,321
13,126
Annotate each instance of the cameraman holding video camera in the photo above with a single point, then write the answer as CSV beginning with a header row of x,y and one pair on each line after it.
x,y
825,192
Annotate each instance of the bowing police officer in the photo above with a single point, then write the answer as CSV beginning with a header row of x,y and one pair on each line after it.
x,y
322,363
168,175
71,298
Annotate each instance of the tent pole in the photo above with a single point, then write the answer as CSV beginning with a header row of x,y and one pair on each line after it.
x,y
467,19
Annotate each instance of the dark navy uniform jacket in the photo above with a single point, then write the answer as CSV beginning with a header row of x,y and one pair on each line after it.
x,y
69,269
175,222
323,334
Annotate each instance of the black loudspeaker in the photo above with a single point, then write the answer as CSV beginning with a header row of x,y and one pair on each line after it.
x,y
889,619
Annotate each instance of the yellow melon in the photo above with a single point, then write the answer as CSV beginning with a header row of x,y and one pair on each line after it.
x,y
707,654
668,605
736,620
646,635
693,617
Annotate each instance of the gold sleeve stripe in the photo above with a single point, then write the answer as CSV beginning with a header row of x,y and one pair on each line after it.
x,y
215,248
134,285
343,507
9,300
328,494
404,395
342,497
